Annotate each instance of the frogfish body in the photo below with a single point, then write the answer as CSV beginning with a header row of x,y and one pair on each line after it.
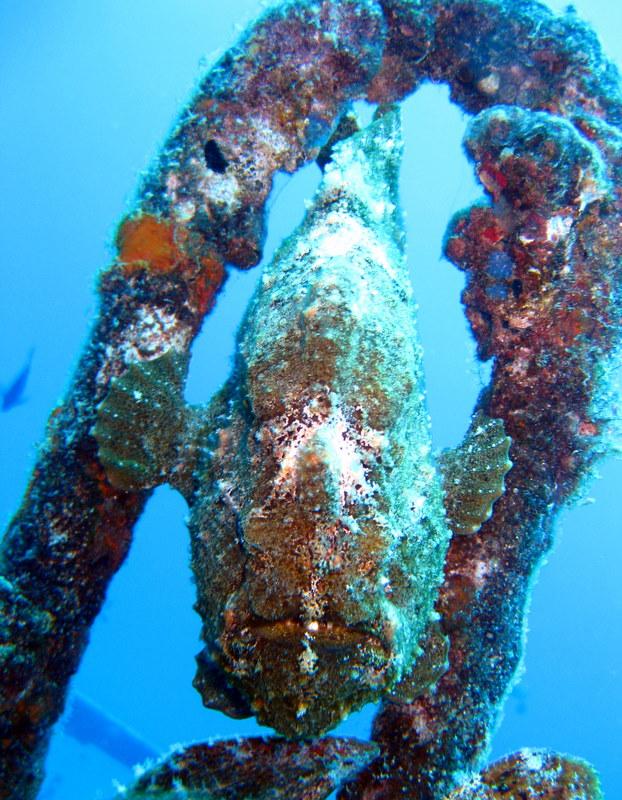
x,y
317,521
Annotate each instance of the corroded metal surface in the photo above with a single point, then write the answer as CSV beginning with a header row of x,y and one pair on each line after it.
x,y
532,774
253,768
317,522
543,298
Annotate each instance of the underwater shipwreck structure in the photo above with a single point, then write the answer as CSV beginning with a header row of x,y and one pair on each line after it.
x,y
381,593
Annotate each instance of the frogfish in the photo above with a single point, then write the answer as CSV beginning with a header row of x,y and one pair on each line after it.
x,y
317,510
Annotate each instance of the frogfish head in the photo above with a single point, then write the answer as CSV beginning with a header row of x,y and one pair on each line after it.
x,y
316,566
318,529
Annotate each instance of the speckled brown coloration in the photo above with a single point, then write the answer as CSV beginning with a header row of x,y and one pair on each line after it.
x,y
72,530
317,523
253,769
261,110
320,473
474,474
492,52
541,262
533,775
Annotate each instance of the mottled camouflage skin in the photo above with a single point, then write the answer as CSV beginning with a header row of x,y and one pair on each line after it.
x,y
317,524
318,536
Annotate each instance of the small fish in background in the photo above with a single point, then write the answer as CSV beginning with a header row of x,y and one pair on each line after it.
x,y
88,724
14,394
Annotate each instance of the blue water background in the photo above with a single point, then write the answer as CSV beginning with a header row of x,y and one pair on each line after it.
x,y
88,92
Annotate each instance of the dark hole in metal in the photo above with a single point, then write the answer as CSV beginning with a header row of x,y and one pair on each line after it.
x,y
214,157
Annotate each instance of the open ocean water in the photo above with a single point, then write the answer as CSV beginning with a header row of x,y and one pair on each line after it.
x,y
88,91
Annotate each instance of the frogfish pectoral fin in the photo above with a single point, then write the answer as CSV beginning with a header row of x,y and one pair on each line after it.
x,y
474,474
426,669
141,423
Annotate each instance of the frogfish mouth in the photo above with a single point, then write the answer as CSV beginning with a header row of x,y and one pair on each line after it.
x,y
317,515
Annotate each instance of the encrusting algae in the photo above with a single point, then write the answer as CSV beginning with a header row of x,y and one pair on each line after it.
x,y
543,296
318,530
317,520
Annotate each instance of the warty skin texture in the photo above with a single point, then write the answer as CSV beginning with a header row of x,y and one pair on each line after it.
x,y
73,529
317,522
322,467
